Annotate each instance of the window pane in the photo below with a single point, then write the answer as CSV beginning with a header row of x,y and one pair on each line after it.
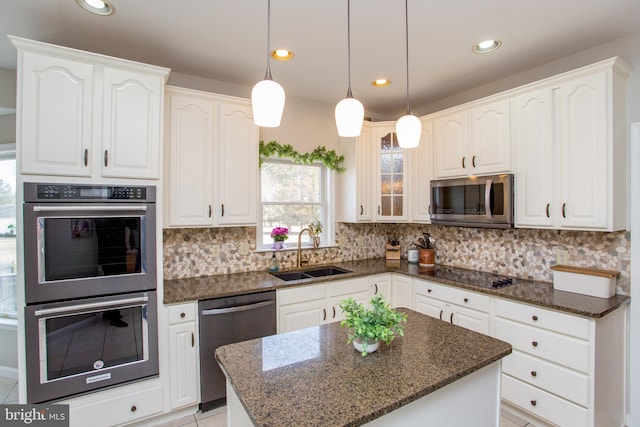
x,y
282,182
8,237
295,217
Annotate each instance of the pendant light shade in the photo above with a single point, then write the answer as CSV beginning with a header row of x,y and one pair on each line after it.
x,y
349,111
267,96
408,127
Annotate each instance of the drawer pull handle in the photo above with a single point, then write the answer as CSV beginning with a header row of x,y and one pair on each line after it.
x,y
466,300
535,318
106,158
324,314
441,311
534,403
134,408
534,343
564,205
334,312
209,211
547,210
473,161
193,339
86,157
361,210
451,319
429,291
222,210
182,315
463,166
534,374
376,285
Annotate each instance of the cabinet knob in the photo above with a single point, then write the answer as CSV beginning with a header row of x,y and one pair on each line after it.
x,y
182,315
428,291
86,157
133,408
466,300
535,318
106,158
534,403
534,374
534,343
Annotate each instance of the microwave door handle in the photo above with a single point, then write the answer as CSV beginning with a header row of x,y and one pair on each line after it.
x,y
83,208
487,198
90,306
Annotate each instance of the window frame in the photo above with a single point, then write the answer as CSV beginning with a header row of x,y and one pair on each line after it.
x,y
328,194
8,152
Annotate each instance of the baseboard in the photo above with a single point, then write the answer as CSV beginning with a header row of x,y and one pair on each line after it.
x,y
9,372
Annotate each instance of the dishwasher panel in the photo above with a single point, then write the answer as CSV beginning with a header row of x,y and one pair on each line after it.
x,y
227,321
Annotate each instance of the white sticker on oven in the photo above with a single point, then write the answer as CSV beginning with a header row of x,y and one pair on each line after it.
x,y
100,377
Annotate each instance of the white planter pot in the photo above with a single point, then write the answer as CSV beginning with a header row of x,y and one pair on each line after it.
x,y
359,346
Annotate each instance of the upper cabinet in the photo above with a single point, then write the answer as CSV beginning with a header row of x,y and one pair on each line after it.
x,y
211,160
87,115
421,174
570,141
474,140
391,175
356,183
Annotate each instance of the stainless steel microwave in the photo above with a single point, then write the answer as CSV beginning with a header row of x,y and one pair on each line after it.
x,y
479,201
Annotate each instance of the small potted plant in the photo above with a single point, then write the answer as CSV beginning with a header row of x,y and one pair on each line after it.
x,y
316,229
279,235
367,326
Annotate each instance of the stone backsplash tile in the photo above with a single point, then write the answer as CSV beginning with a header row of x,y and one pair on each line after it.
x,y
194,252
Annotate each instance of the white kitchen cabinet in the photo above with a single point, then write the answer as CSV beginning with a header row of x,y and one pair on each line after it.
x,y
391,175
401,291
473,140
211,161
570,142
87,115
183,355
421,174
356,182
380,285
457,306
313,305
565,369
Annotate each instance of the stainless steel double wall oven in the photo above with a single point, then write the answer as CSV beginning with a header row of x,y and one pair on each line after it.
x,y
90,287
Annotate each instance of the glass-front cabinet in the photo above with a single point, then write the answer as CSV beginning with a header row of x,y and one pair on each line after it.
x,y
392,173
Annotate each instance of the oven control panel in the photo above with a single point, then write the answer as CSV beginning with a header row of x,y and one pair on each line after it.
x,y
78,192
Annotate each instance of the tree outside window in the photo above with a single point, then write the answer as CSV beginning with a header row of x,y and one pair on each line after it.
x,y
8,237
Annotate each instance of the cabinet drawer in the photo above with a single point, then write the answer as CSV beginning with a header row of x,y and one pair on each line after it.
x,y
555,379
180,313
457,296
119,410
347,287
542,404
300,294
561,349
566,324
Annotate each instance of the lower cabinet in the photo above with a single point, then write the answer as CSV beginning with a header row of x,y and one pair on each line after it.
x,y
457,306
565,369
183,355
401,291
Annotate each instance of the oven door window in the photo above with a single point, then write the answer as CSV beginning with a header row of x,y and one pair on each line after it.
x,y
93,341
84,247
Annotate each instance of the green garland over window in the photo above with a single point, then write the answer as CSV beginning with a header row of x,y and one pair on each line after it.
x,y
329,158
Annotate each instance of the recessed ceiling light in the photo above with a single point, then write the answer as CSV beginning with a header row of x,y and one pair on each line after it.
x,y
282,55
99,7
381,83
487,46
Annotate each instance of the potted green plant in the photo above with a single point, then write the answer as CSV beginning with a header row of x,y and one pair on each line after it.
x,y
369,325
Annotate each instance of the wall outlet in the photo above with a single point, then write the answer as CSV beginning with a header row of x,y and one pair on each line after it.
x,y
562,256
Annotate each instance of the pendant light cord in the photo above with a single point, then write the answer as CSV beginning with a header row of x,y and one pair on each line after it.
x,y
406,28
349,94
267,75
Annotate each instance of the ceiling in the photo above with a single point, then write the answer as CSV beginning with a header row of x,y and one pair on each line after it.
x,y
225,40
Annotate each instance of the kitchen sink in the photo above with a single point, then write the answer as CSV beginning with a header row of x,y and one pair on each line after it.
x,y
310,274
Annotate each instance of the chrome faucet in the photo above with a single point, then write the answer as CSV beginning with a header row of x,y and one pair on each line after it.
x,y
299,261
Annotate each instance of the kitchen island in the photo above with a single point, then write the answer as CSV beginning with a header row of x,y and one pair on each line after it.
x,y
436,374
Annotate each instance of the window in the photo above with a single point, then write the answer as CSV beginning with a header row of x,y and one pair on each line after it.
x,y
7,232
294,196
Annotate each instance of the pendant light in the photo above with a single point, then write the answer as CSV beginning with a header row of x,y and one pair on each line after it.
x,y
408,127
267,96
349,111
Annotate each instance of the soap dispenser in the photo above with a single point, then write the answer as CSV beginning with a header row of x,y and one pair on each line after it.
x,y
274,262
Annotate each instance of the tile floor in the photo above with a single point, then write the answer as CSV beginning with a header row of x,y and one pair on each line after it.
x,y
216,417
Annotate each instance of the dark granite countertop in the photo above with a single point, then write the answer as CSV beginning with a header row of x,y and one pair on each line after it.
x,y
313,374
527,291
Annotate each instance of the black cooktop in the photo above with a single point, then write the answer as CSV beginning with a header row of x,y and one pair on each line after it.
x,y
472,277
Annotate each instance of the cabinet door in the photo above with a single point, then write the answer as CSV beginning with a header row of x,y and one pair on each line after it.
x,y
334,312
190,158
421,175
55,111
469,319
584,153
237,160
301,315
131,124
380,286
183,365
491,138
450,145
392,176
402,292
430,306
533,133
364,173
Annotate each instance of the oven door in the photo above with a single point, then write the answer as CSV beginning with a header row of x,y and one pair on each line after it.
x,y
83,250
88,344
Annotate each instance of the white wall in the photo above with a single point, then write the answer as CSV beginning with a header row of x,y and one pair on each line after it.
x,y
7,103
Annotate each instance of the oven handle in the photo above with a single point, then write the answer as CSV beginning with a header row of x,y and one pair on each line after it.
x,y
91,305
236,308
487,198
82,208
